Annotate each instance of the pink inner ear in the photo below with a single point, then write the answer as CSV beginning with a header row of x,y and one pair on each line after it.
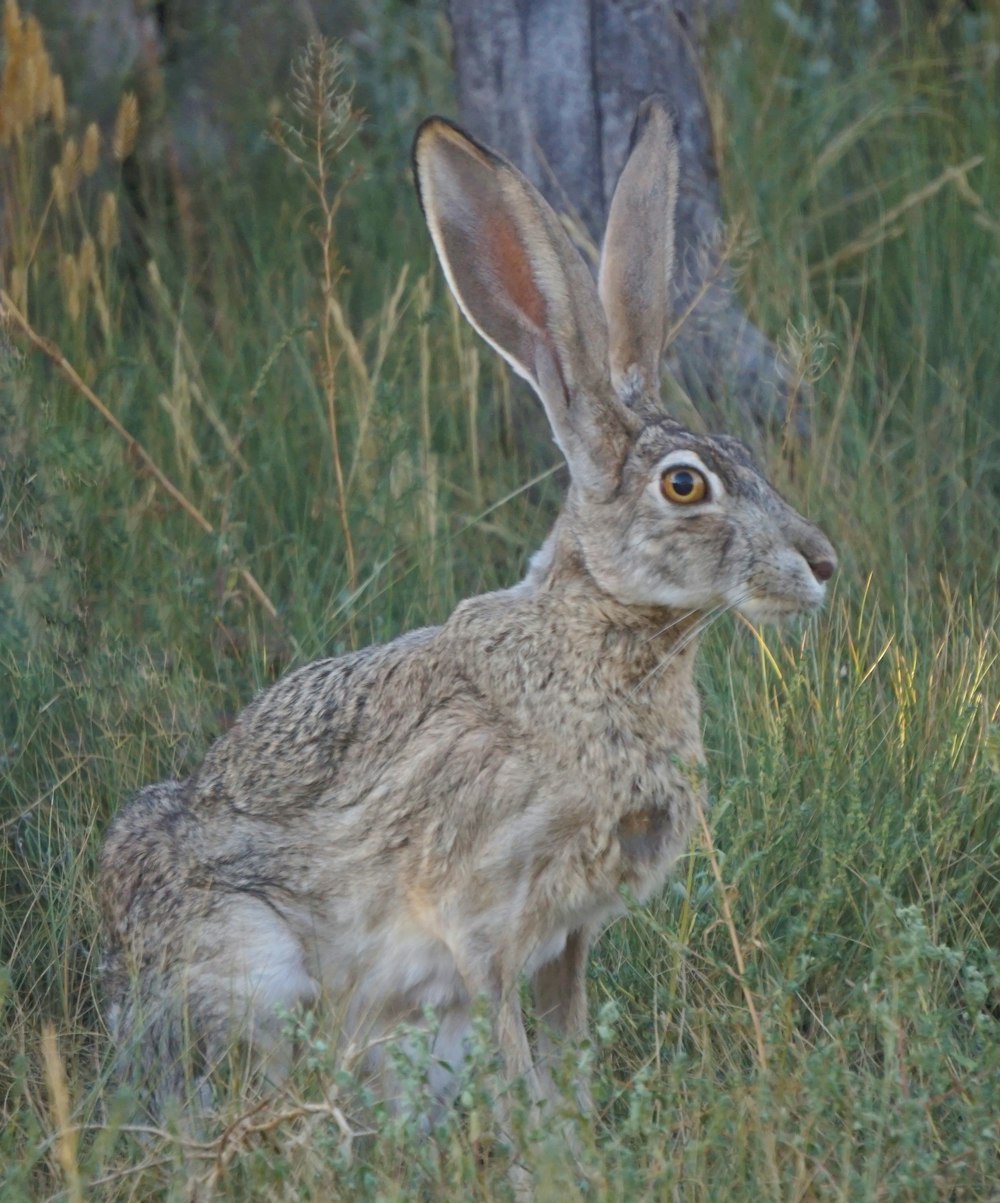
x,y
505,254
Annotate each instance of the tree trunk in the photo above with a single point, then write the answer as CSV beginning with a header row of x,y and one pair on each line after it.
x,y
554,85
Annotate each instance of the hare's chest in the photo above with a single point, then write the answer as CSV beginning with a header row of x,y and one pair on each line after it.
x,y
631,804
647,773
659,785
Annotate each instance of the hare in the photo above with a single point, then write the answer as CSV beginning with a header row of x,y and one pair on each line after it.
x,y
417,825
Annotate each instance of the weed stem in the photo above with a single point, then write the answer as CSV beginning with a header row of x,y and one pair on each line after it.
x,y
10,312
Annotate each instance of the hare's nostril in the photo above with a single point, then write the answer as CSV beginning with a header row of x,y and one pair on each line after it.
x,y
822,570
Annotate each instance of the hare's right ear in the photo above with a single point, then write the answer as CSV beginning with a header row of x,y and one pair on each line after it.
x,y
637,259
526,290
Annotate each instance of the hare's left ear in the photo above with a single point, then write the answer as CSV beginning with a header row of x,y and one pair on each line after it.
x,y
526,289
637,261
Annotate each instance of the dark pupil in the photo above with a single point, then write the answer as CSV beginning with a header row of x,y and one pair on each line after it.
x,y
683,483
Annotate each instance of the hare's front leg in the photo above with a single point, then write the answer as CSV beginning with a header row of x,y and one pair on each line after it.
x,y
499,984
497,979
560,988
515,1050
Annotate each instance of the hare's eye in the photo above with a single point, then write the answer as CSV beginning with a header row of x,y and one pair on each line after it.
x,y
683,486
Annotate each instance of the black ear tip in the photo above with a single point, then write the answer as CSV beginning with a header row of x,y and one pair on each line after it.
x,y
431,127
450,136
424,130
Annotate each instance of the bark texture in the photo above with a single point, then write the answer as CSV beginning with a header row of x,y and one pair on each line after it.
x,y
554,85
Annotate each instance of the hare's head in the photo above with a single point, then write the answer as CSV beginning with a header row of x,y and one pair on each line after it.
x,y
660,515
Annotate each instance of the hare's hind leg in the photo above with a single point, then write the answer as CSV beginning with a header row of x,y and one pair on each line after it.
x,y
246,974
154,1052
220,998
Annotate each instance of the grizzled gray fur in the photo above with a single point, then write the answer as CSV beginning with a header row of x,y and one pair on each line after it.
x,y
418,825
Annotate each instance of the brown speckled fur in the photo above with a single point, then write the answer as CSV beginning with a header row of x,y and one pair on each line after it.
x,y
421,823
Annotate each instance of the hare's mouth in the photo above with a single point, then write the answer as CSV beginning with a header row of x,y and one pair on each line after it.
x,y
769,607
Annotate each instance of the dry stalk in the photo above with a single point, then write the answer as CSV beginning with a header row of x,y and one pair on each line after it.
x,y
768,1137
734,939
326,126
252,1124
366,379
67,1138
331,356
192,367
722,259
10,312
886,228
428,464
221,1150
127,126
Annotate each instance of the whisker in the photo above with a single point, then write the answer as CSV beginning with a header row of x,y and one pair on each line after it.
x,y
687,638
683,617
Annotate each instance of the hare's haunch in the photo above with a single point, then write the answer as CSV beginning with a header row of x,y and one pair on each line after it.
x,y
418,825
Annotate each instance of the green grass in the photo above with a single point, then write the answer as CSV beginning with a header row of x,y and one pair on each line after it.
x,y
852,866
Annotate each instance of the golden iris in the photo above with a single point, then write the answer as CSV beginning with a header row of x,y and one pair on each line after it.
x,y
683,486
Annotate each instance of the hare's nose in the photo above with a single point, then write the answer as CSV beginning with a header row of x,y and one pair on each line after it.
x,y
822,570
817,551
815,548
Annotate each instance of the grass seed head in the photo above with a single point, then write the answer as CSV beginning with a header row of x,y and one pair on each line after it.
x,y
57,102
59,193
69,165
126,129
91,149
69,277
87,261
107,222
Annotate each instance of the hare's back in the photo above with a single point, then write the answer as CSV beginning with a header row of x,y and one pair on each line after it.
x,y
303,743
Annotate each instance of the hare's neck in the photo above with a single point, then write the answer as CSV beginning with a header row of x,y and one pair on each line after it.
x,y
644,641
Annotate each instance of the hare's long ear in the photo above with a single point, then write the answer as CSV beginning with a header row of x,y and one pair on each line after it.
x,y
525,288
637,261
